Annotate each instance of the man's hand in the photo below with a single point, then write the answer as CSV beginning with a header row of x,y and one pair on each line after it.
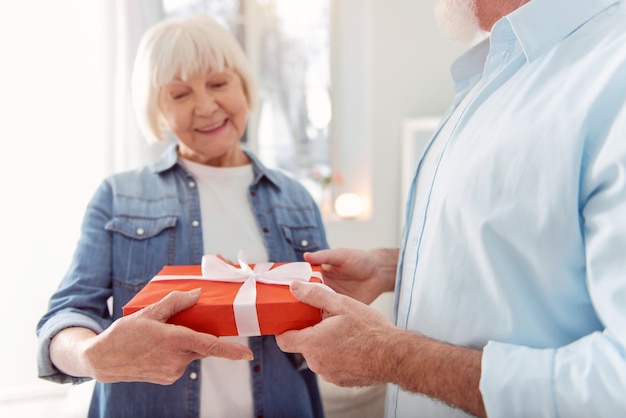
x,y
354,345
347,347
141,347
362,275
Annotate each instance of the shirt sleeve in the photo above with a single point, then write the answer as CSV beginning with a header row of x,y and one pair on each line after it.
x,y
45,369
81,299
587,377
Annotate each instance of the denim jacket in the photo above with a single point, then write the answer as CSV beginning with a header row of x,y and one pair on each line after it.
x,y
141,220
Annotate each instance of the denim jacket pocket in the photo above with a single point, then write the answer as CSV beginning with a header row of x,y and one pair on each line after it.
x,y
140,228
141,247
303,238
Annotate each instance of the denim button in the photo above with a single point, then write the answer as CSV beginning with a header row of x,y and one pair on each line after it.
x,y
195,224
304,243
140,231
192,184
193,375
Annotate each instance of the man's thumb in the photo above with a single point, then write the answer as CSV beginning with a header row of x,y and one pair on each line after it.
x,y
315,294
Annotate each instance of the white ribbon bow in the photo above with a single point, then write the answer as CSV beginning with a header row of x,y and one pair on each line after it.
x,y
246,318
244,305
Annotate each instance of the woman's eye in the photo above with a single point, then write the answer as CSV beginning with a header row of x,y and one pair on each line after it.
x,y
177,96
218,83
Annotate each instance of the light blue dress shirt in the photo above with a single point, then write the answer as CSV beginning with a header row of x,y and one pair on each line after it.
x,y
517,238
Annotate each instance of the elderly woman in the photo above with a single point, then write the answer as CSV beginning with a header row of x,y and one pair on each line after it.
x,y
206,195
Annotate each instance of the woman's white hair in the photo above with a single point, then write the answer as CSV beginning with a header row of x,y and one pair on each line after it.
x,y
180,47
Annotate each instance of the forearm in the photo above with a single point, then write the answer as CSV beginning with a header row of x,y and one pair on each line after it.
x,y
66,349
356,345
387,265
438,370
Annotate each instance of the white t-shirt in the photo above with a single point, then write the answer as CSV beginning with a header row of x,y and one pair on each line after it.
x,y
228,225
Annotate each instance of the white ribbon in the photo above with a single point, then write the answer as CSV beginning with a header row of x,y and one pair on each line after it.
x,y
244,305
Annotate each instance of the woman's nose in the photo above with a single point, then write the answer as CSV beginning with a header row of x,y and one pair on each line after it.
x,y
205,104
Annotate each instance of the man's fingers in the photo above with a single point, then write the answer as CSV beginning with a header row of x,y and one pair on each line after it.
x,y
318,257
332,257
320,296
315,295
171,304
290,341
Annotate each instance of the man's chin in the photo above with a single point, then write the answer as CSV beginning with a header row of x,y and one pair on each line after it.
x,y
461,36
457,19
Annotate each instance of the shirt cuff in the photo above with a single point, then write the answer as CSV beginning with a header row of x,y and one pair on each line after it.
x,y
517,381
45,369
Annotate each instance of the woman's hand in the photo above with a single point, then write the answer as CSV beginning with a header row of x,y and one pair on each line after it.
x,y
141,347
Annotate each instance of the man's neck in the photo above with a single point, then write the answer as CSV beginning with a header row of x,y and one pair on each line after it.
x,y
490,11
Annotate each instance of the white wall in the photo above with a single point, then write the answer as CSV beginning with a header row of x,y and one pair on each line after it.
x,y
394,65
51,137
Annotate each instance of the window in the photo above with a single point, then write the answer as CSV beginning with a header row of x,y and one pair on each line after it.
x,y
288,44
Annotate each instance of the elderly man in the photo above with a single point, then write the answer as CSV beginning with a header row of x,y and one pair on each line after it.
x,y
511,278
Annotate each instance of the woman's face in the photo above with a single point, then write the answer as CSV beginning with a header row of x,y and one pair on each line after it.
x,y
208,114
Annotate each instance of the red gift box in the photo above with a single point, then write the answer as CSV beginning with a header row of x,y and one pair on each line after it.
x,y
214,312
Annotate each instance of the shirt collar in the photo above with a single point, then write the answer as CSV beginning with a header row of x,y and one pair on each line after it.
x,y
534,28
541,24
167,161
170,159
467,69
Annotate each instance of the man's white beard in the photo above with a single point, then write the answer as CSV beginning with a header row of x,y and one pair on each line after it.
x,y
457,19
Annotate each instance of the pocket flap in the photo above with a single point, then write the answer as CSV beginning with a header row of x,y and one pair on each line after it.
x,y
140,228
302,238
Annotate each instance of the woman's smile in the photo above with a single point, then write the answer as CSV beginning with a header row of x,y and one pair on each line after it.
x,y
213,129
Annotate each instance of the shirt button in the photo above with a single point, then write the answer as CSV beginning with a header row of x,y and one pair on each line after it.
x,y
195,224
304,243
140,231
266,229
193,375
256,368
191,184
